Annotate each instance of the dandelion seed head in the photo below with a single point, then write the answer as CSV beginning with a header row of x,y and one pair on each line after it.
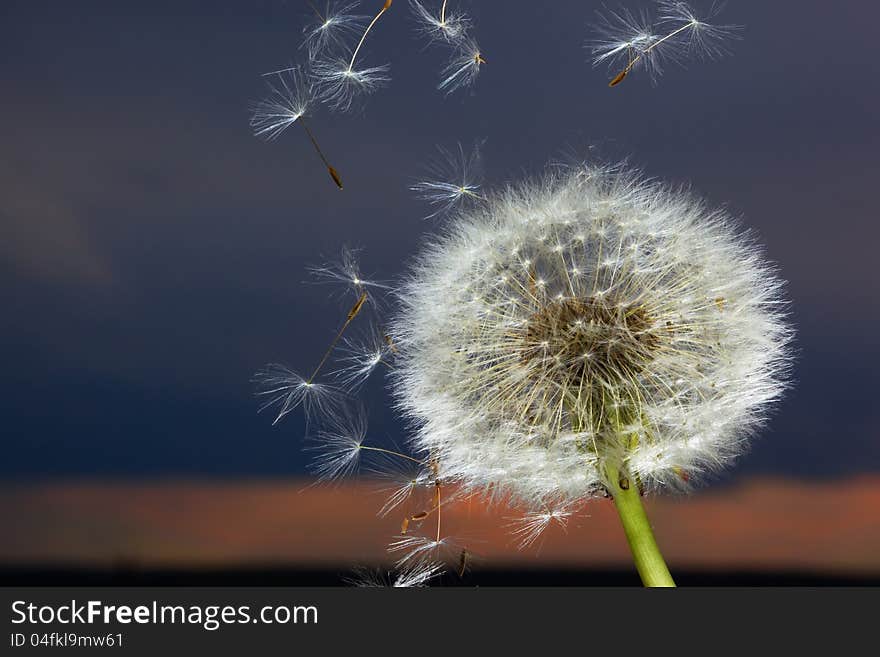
x,y
527,381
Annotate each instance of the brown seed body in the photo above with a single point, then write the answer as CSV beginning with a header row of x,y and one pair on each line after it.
x,y
618,78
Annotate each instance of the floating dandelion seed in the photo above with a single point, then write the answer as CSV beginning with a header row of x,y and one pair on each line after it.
x,y
288,103
451,28
418,575
346,271
447,26
349,318
415,576
338,447
409,484
532,525
340,84
338,80
464,67
361,358
400,494
454,180
565,342
284,389
698,37
420,549
332,27
625,41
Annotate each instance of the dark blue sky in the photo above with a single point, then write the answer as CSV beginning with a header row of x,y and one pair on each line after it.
x,y
153,251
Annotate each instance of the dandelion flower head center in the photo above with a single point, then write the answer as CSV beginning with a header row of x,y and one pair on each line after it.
x,y
588,340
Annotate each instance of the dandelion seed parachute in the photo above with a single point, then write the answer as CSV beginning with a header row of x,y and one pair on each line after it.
x,y
289,101
333,27
290,97
280,387
622,37
627,41
415,576
346,272
338,445
529,528
340,85
452,181
463,68
418,575
583,324
423,549
408,485
446,25
339,82
699,38
361,357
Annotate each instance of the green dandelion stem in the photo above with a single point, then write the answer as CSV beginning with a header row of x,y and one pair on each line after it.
x,y
649,562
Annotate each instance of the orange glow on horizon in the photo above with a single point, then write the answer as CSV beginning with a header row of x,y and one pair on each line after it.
x,y
762,524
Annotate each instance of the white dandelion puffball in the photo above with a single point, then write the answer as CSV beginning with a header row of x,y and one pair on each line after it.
x,y
587,323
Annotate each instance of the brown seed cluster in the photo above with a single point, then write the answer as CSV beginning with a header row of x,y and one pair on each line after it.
x,y
588,341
